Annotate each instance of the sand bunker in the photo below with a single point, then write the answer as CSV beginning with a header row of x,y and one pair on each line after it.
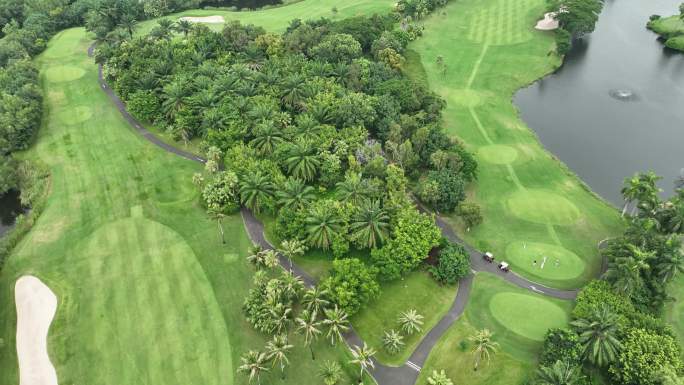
x,y
36,306
205,19
548,23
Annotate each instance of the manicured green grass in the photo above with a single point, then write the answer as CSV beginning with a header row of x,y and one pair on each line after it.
x,y
671,29
417,291
147,292
518,319
278,18
490,50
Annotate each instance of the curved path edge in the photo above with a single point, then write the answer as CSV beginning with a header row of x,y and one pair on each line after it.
x,y
406,374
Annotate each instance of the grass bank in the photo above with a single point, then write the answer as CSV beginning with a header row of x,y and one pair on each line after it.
x,y
671,29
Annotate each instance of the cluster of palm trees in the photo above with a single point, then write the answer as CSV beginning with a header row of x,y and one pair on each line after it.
x,y
356,214
410,322
317,316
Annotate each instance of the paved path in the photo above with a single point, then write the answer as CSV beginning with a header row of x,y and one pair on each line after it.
x,y
406,374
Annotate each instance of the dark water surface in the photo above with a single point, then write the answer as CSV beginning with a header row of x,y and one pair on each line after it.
x,y
586,116
10,208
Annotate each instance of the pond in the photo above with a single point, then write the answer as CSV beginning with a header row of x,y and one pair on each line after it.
x,y
617,104
10,208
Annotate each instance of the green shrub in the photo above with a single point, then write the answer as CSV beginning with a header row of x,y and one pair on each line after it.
x,y
454,264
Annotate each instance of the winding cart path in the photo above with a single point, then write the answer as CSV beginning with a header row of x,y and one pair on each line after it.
x,y
406,374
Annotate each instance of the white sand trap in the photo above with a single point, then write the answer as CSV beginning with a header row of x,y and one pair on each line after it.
x,y
205,19
548,23
36,306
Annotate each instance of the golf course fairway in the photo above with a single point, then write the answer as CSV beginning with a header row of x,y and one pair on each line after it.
x,y
278,18
489,49
147,292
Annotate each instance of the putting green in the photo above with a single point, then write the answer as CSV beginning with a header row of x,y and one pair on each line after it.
x,y
560,263
542,206
75,115
64,73
528,315
498,154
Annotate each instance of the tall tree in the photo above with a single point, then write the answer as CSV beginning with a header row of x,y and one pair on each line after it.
x,y
363,356
256,190
277,349
322,226
294,193
253,364
302,160
315,299
560,373
337,322
291,249
309,326
370,225
598,336
484,347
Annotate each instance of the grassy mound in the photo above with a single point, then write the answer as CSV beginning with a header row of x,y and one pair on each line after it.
x,y
528,315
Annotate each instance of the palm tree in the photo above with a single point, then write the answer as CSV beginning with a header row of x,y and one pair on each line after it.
x,y
393,341
484,346
370,225
173,95
321,226
560,373
218,215
128,22
363,356
183,26
624,271
354,190
292,90
439,378
410,321
315,299
295,194
277,350
266,138
308,128
330,372
256,256
302,160
669,265
270,258
309,326
253,364
337,323
281,315
291,249
255,190
630,191
291,284
598,337
163,29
